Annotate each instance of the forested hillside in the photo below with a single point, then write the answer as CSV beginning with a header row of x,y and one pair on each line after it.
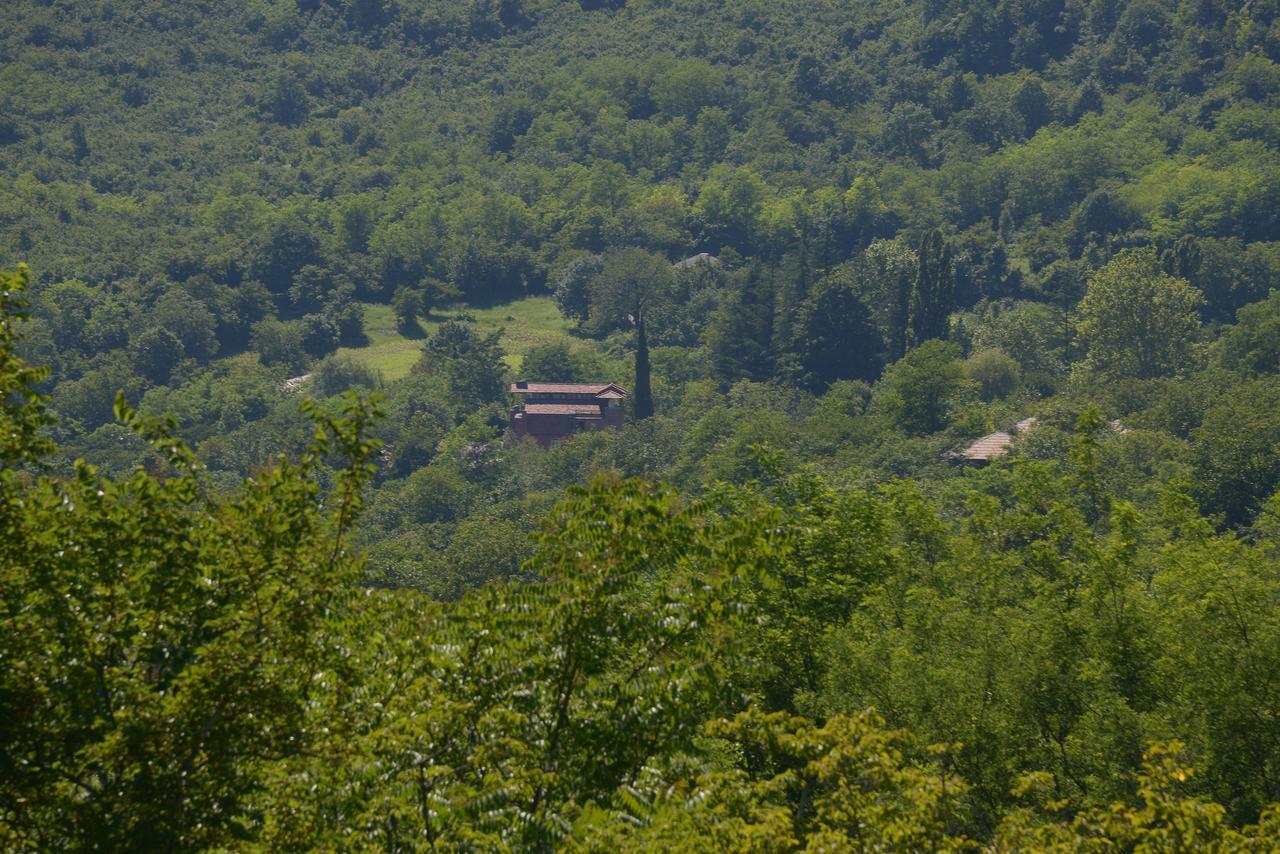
x,y
275,574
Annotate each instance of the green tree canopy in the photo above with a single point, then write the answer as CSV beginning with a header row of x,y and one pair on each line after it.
x,y
630,282
918,392
164,641
1253,344
838,338
1136,320
471,362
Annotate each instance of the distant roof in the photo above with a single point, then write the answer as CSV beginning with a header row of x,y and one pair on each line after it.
x,y
700,258
294,383
989,446
604,390
586,410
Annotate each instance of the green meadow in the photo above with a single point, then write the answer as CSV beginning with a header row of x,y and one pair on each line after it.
x,y
525,324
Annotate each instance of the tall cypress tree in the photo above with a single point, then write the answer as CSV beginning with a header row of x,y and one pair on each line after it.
x,y
79,142
643,392
933,295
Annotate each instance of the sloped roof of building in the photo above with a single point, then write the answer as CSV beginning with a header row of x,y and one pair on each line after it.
x,y
602,390
989,446
700,258
992,445
578,410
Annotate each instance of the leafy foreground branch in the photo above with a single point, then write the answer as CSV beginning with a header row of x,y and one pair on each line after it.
x,y
161,646
187,670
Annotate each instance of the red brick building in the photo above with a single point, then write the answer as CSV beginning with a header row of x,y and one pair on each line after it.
x,y
551,412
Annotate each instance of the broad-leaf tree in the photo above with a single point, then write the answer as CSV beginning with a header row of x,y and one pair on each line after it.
x,y
1136,320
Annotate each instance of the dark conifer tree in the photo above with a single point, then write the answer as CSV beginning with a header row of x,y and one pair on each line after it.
x,y
900,320
643,393
1098,214
740,336
79,141
957,93
791,299
1031,103
1182,260
837,339
1089,100
933,295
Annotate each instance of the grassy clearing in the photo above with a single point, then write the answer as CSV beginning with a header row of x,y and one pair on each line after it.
x,y
526,323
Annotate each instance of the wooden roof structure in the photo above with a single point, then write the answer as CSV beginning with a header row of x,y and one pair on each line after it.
x,y
603,391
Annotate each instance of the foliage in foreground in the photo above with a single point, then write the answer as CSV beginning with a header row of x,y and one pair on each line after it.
x,y
161,645
188,671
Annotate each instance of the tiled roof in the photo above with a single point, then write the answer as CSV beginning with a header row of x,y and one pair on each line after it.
x,y
700,258
581,410
595,389
992,445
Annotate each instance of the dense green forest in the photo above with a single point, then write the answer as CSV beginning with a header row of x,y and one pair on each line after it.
x,y
274,575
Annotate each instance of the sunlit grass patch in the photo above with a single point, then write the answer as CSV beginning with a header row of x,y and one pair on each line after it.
x,y
525,324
